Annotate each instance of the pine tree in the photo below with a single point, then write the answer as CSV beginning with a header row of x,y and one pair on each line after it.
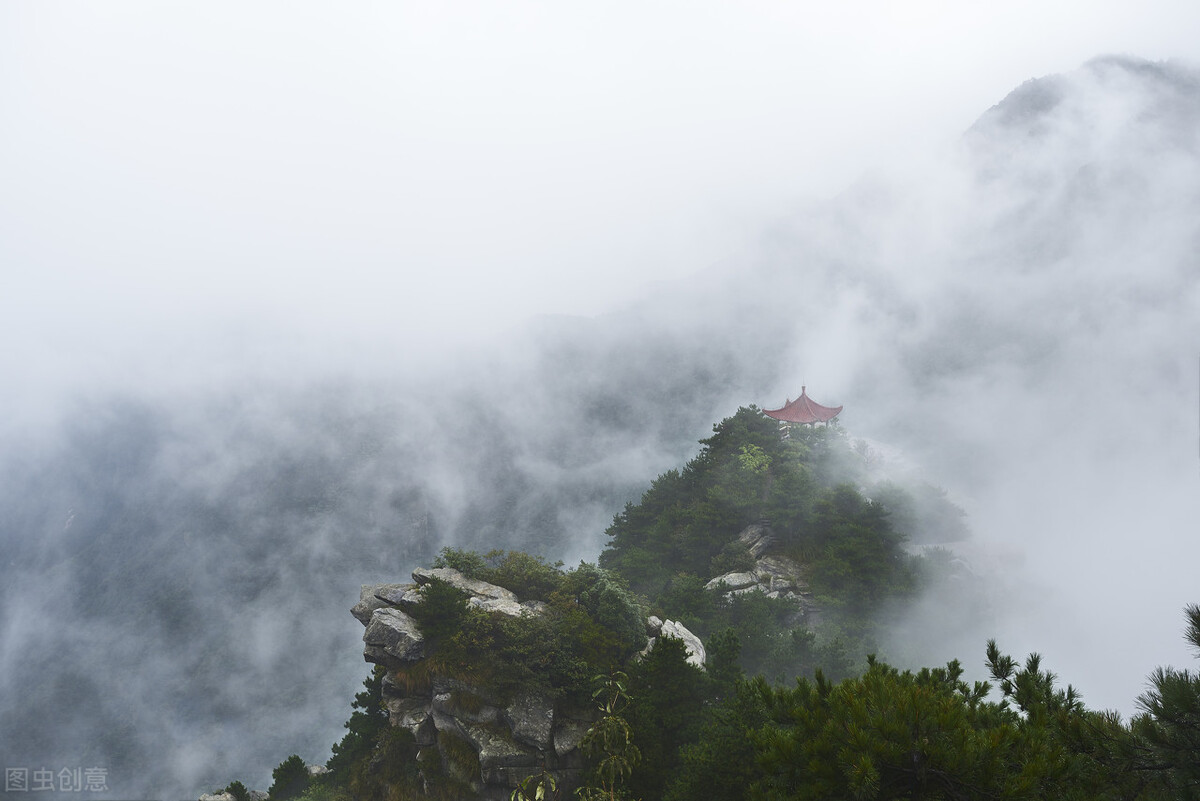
x,y
290,779
667,708
1170,726
367,721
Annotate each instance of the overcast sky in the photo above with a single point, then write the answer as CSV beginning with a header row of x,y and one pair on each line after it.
x,y
375,170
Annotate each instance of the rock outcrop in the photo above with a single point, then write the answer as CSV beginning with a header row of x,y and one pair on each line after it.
x,y
473,735
375,596
473,587
392,638
757,538
669,628
774,575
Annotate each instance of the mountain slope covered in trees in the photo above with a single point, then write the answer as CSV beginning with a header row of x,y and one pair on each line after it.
x,y
827,721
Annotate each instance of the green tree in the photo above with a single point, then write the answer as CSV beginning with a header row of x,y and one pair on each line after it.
x,y
1071,752
685,531
724,671
609,604
441,612
856,560
720,765
888,735
668,702
1170,726
368,720
290,779
238,791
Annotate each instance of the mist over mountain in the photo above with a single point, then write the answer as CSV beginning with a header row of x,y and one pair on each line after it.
x,y
1019,319
177,573
1024,324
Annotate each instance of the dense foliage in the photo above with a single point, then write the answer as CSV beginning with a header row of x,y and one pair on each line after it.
x,y
671,731
891,734
289,780
810,486
818,718
1170,727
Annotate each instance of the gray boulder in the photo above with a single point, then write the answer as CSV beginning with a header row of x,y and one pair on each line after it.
x,y
369,601
497,748
568,733
506,607
757,538
480,589
402,595
535,608
530,718
463,705
778,573
391,637
503,606
732,581
408,713
777,576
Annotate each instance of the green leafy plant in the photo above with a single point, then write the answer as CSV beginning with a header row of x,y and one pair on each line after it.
x,y
541,786
609,743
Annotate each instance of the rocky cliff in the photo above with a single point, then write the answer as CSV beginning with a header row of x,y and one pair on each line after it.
x,y
472,723
471,733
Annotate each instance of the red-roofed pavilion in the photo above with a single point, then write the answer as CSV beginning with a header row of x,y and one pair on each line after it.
x,y
804,410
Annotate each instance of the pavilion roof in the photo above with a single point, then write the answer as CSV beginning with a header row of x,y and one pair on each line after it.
x,y
804,410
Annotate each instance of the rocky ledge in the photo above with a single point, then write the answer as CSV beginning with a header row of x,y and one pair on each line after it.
x,y
483,740
774,575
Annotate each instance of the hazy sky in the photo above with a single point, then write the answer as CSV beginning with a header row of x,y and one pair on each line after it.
x,y
379,170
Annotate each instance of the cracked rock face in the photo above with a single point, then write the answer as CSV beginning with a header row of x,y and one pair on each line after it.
x,y
504,607
530,717
776,576
372,597
510,742
392,637
475,587
773,575
402,595
757,538
779,574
